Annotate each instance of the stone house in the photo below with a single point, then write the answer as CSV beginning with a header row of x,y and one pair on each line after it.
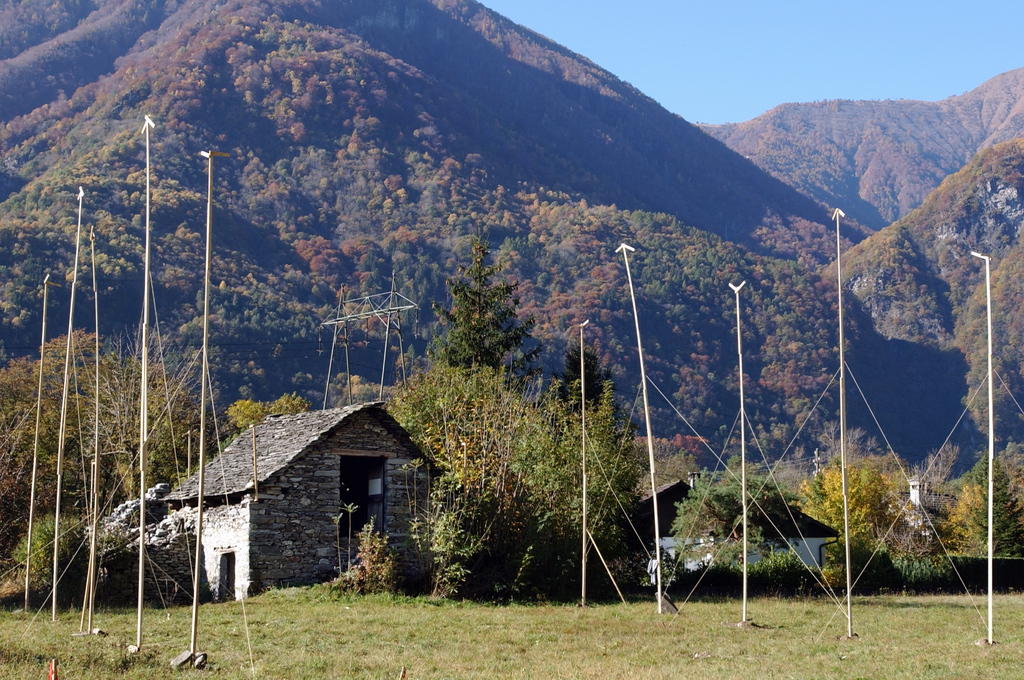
x,y
275,517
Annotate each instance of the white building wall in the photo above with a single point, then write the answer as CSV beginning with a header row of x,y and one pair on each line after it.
x,y
226,529
809,550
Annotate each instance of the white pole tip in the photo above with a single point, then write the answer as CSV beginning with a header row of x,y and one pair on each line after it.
x,y
625,246
838,213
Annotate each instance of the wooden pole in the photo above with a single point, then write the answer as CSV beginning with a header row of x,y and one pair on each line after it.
x,y
583,459
86,616
143,403
625,250
991,441
91,577
35,444
64,414
197,566
255,476
607,570
743,450
842,429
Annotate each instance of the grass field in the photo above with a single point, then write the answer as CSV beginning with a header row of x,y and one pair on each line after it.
x,y
301,633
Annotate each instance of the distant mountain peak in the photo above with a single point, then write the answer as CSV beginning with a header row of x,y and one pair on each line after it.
x,y
880,158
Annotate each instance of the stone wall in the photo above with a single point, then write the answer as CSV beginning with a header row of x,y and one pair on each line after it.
x,y
294,537
170,550
406,495
292,530
170,541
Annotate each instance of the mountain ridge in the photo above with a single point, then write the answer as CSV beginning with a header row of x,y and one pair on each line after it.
x,y
599,116
879,159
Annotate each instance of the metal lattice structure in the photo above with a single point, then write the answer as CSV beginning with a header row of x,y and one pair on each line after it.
x,y
385,307
380,306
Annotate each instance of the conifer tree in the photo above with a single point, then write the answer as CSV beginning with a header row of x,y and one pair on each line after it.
x,y
597,374
967,525
484,328
1007,515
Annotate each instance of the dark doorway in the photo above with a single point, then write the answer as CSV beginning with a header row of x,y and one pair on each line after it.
x,y
362,483
226,577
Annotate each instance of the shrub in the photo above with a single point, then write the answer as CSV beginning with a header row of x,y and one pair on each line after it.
x,y
925,575
72,556
376,568
503,517
781,573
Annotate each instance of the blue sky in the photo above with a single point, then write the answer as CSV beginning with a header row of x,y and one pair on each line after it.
x,y
731,60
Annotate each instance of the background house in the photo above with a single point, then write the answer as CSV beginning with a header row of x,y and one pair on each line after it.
x,y
806,535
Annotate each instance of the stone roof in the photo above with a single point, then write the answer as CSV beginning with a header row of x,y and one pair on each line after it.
x,y
279,439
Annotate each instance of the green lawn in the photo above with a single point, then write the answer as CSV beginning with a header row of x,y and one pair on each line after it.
x,y
297,633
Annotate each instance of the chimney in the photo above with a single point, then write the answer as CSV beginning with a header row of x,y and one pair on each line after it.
x,y
915,492
692,479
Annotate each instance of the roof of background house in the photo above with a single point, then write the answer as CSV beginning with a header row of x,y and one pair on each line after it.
x,y
933,501
799,525
279,439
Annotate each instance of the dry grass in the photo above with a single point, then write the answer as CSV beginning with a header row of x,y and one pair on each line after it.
x,y
301,633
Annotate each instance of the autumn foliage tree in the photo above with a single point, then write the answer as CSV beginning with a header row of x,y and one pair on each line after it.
x,y
875,508
504,514
245,412
173,414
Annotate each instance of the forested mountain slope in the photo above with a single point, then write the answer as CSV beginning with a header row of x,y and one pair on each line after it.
x,y
470,81
919,282
375,137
